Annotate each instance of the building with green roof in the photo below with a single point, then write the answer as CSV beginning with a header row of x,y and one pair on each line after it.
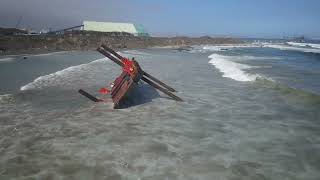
x,y
136,30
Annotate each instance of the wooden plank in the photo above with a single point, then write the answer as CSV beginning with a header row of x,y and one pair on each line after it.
x,y
89,96
165,91
144,73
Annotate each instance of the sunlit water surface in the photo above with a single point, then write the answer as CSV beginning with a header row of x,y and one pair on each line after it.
x,y
260,123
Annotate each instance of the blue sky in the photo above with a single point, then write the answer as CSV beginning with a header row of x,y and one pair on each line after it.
x,y
245,18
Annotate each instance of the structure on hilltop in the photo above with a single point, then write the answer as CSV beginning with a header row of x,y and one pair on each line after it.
x,y
111,28
136,30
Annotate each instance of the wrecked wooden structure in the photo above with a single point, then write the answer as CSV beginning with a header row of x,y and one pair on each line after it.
x,y
124,84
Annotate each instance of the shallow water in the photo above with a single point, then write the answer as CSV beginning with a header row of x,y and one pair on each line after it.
x,y
264,128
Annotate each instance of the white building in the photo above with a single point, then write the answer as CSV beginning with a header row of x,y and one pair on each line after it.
x,y
136,30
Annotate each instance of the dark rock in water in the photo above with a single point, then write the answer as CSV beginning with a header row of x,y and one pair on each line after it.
x,y
184,48
25,57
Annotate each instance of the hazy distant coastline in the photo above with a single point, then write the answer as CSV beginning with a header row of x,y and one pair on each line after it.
x,y
91,40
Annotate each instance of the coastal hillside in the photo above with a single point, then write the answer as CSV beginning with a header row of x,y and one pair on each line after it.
x,y
90,40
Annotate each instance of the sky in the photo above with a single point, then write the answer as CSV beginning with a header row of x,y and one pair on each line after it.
x,y
240,18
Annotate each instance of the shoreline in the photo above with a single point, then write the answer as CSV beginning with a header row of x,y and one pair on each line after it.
x,y
33,53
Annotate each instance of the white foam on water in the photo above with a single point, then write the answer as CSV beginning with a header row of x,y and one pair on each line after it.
x,y
47,54
43,54
216,48
292,48
229,46
63,77
312,45
135,52
7,59
243,58
232,69
222,47
5,97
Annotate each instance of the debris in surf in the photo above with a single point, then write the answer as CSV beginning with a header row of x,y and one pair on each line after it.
x,y
124,84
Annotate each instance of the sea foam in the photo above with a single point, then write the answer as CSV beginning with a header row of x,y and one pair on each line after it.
x,y
293,48
218,48
47,54
312,45
7,59
6,98
134,52
229,46
63,77
232,69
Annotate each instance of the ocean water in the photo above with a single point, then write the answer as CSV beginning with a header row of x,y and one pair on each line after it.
x,y
249,112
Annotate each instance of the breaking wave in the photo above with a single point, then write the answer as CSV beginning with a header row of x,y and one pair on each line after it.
x,y
4,98
243,58
308,45
230,69
66,77
292,48
219,48
134,52
7,59
227,47
48,54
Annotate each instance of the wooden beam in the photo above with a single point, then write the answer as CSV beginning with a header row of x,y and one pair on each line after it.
x,y
144,73
165,91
